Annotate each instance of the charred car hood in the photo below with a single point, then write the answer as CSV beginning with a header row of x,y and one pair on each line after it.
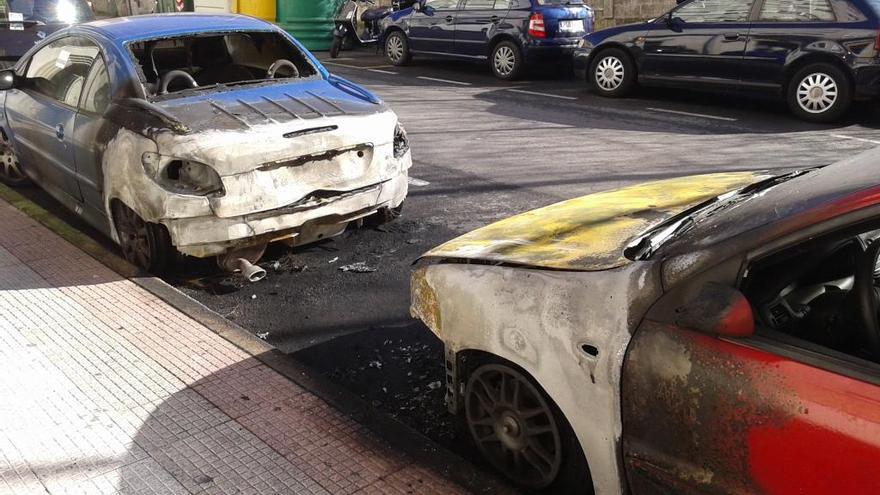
x,y
246,107
589,233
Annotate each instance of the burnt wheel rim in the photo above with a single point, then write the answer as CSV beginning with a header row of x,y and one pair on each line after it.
x,y
513,426
134,238
395,48
9,165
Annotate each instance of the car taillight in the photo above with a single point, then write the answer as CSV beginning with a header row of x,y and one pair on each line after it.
x,y
536,26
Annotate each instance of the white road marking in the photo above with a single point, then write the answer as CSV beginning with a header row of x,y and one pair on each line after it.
x,y
418,182
843,136
537,93
426,78
702,115
380,71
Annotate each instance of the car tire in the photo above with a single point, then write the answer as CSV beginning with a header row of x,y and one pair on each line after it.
x,y
146,245
11,173
335,47
397,48
612,73
506,61
819,93
561,467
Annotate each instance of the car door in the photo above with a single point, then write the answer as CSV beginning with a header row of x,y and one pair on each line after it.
x,y
89,137
748,412
700,40
432,28
781,28
475,23
41,112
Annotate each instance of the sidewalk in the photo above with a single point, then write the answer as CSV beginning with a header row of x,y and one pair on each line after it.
x,y
107,389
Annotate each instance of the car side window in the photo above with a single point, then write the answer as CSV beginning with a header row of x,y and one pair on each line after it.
x,y
796,11
479,5
96,97
59,70
442,4
715,11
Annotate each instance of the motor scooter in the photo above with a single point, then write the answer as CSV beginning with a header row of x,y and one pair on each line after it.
x,y
357,22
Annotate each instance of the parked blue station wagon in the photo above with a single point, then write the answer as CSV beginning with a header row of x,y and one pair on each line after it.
x,y
207,135
510,34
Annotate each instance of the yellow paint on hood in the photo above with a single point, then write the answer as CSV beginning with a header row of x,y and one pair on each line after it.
x,y
591,232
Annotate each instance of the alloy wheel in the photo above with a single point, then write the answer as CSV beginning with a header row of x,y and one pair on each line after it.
x,y
134,237
504,60
513,425
9,165
394,48
609,73
817,93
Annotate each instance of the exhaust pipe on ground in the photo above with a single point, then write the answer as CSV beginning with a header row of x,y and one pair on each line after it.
x,y
251,272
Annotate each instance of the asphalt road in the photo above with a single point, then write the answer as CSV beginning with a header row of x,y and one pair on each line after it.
x,y
483,150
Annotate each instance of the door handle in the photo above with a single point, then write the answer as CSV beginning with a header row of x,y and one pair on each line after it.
x,y
495,19
59,131
449,19
732,36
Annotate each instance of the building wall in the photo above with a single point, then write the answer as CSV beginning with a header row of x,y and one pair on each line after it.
x,y
614,12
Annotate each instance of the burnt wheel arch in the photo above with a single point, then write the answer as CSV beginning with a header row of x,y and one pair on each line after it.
x,y
574,475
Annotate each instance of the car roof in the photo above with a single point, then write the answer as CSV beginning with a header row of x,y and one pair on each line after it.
x,y
134,28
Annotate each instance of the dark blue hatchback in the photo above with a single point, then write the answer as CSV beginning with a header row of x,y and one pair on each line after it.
x,y
508,33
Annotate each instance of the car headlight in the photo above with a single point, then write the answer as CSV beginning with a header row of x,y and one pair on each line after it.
x,y
582,43
183,176
401,141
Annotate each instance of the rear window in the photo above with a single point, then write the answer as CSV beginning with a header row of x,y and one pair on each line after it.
x,y
209,60
45,11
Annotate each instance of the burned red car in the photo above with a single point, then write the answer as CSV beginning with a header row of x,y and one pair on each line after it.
x,y
709,334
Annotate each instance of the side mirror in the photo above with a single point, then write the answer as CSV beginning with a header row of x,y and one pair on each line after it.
x,y
718,310
7,79
674,23
417,6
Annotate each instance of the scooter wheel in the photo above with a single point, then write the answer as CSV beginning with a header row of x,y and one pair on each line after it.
x,y
335,47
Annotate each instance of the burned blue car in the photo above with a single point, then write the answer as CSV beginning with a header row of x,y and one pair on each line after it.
x,y
205,135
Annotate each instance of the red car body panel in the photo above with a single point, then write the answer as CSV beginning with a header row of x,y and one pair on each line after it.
x,y
707,415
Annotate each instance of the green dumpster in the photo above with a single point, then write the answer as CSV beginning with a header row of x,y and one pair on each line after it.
x,y
309,21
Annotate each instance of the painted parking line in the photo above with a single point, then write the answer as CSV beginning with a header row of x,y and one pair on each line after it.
x,y
690,114
418,182
380,71
844,136
435,79
538,93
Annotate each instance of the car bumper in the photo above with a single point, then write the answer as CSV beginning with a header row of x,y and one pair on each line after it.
x,y
866,76
549,50
297,224
581,62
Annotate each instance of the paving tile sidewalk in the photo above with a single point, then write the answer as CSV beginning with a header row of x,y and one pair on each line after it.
x,y
107,389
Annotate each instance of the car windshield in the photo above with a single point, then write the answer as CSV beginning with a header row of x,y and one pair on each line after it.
x,y
208,60
45,11
646,245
